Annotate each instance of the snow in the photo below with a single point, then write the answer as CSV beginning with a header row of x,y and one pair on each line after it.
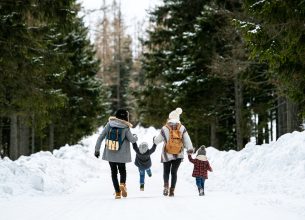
x,y
260,182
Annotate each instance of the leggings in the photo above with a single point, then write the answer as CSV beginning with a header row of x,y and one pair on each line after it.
x,y
114,174
171,167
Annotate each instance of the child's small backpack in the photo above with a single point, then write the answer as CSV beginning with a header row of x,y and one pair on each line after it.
x,y
114,139
174,144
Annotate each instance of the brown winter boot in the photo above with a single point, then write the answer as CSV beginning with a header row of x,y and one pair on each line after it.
x,y
117,195
171,191
165,190
123,189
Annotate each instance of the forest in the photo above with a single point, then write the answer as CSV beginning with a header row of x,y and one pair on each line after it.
x,y
235,67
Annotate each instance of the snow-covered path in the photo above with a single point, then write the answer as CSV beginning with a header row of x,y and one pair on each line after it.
x,y
73,185
94,200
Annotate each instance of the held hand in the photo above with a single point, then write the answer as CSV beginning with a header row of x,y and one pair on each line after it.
x,y
97,154
135,136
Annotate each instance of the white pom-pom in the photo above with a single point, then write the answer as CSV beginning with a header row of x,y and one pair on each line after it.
x,y
179,111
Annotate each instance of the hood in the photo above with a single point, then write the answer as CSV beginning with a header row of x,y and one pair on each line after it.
x,y
202,157
119,123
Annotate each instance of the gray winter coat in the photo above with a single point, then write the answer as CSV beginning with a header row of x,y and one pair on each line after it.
x,y
123,155
164,136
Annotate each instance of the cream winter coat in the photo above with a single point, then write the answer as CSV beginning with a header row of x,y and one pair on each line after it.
x,y
163,136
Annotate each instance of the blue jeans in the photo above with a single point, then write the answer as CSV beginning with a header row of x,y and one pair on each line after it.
x,y
142,175
200,182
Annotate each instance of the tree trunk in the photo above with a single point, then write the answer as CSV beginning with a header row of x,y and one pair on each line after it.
x,y
263,130
51,137
1,139
287,117
293,122
281,123
24,140
33,135
238,111
214,140
13,149
271,125
1,133
260,139
266,129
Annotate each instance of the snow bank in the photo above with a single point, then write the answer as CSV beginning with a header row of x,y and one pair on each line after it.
x,y
48,173
58,172
275,168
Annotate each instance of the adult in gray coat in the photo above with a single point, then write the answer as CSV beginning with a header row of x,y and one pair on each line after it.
x,y
118,158
171,162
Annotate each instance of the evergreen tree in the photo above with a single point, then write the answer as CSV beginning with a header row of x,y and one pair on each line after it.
x,y
275,35
47,76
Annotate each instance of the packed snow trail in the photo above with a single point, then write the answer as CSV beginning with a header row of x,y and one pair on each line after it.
x,y
71,184
95,201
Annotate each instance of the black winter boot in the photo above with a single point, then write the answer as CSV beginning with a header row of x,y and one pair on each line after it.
x,y
165,190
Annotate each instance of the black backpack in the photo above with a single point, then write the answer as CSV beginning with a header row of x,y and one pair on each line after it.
x,y
114,139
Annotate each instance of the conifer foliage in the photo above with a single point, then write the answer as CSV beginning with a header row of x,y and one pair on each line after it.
x,y
49,95
234,66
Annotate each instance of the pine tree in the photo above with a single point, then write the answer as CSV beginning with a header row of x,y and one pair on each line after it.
x,y
47,71
275,35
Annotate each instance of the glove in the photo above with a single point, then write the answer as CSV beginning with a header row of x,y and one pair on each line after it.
x,y
97,154
135,136
190,151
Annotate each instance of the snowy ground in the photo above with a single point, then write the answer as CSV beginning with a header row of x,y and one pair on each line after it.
x,y
260,182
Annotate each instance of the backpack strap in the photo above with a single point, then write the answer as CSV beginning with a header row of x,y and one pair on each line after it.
x,y
171,129
178,128
109,131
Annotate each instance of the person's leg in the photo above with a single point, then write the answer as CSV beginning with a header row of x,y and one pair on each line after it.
x,y
198,182
142,179
142,176
114,176
166,171
122,170
174,170
202,183
148,171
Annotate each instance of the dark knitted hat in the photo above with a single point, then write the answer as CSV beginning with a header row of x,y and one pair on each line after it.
x,y
122,114
201,150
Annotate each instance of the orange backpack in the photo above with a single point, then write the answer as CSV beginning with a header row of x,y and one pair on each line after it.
x,y
174,144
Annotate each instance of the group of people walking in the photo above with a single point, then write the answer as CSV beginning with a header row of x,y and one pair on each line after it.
x,y
175,138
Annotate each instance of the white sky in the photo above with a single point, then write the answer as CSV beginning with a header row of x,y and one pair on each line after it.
x,y
133,11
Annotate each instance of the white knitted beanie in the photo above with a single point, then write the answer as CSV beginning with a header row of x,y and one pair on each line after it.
x,y
143,147
174,116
